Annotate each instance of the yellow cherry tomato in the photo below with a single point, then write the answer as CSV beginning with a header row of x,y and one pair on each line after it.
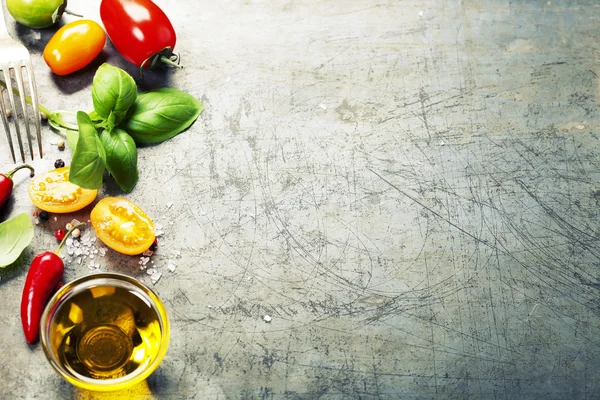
x,y
54,193
74,46
122,225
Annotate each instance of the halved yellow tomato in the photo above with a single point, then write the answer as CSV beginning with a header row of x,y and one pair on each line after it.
x,y
122,225
53,192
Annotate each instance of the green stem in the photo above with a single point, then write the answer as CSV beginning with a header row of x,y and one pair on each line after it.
x,y
67,11
10,174
62,242
27,99
170,62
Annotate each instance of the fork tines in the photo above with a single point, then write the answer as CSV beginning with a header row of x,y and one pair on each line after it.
x,y
22,112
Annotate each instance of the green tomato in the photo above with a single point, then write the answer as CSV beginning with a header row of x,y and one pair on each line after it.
x,y
36,13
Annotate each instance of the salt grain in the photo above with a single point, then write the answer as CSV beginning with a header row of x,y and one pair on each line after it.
x,y
267,318
171,267
148,253
155,277
169,204
323,106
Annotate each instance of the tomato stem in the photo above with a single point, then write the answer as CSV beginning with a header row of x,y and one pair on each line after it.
x,y
62,242
67,11
11,173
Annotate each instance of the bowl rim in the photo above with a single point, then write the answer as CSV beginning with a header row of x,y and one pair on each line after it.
x,y
87,281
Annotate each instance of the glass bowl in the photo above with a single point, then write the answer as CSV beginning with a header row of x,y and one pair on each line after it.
x,y
105,332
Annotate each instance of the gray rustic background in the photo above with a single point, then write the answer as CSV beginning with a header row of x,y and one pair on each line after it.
x,y
408,190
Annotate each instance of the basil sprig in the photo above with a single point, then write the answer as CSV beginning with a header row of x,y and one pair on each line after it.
x,y
106,137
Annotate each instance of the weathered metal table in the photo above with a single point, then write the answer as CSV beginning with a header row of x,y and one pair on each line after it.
x,y
407,189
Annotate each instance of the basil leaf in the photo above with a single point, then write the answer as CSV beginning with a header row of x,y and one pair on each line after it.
x,y
121,158
89,159
15,234
160,114
113,92
72,137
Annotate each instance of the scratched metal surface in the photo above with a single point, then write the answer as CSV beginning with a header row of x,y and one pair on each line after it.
x,y
409,189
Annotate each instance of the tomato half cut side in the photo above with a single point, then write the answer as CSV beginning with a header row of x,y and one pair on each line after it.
x,y
122,225
54,193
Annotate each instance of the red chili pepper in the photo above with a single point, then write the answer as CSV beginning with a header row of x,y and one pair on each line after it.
x,y
42,280
6,183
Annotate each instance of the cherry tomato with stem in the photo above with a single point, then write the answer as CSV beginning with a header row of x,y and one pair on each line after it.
x,y
140,31
38,13
74,46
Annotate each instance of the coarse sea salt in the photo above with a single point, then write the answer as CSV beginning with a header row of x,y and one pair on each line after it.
x,y
158,230
155,277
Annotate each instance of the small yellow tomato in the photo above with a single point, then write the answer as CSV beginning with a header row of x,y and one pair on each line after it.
x,y
53,192
74,46
122,225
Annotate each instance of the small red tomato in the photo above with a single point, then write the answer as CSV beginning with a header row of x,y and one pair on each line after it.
x,y
74,46
60,234
141,32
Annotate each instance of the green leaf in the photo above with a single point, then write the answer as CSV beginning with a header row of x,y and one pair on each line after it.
x,y
94,116
15,234
121,158
89,160
113,91
160,114
72,137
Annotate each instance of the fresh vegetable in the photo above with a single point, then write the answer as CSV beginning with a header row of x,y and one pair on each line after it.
x,y
36,13
74,46
59,234
6,183
120,119
53,192
113,92
152,117
122,225
121,158
15,234
89,160
140,31
44,275
159,115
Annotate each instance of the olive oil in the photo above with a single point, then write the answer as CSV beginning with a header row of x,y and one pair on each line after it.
x,y
106,332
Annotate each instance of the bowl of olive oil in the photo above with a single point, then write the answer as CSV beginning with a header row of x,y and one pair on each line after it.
x,y
105,332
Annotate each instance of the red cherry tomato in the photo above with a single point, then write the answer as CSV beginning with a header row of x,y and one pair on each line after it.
x,y
140,31
74,46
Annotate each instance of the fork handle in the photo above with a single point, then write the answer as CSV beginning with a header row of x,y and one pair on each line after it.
x,y
3,30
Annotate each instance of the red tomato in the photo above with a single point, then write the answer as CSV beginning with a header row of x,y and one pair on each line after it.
x,y
74,46
140,31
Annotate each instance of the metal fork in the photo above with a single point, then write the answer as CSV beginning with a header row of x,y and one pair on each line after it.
x,y
14,60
